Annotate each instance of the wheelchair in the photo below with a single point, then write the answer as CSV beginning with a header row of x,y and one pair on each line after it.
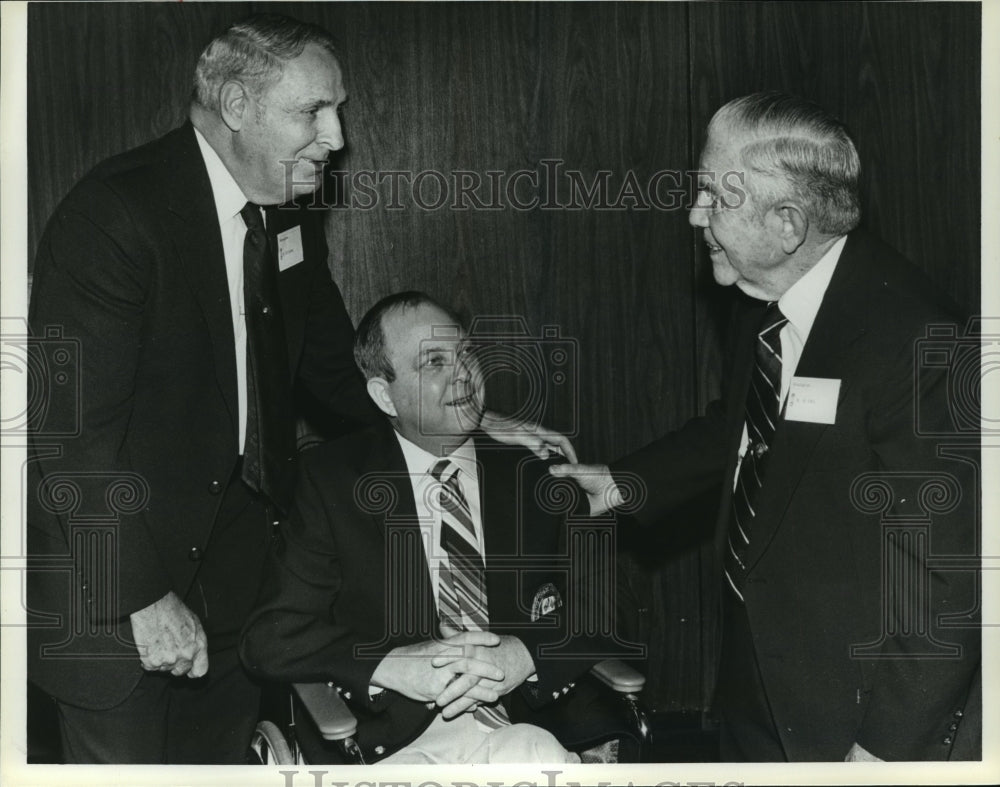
x,y
609,722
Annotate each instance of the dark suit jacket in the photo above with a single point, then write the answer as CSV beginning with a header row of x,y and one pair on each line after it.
x,y
351,581
818,550
131,273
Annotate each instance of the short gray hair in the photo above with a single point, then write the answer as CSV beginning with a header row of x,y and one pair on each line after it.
x,y
253,52
804,148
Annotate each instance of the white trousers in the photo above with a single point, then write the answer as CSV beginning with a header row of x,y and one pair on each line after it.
x,y
461,741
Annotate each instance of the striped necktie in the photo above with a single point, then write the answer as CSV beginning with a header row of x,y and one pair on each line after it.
x,y
762,408
462,602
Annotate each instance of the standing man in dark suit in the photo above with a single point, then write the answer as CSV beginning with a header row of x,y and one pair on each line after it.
x,y
840,640
419,569
200,310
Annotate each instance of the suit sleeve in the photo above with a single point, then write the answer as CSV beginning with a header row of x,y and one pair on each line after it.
x,y
676,468
292,635
914,698
91,277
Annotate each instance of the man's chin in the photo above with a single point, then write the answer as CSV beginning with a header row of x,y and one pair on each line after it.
x,y
723,272
304,181
302,188
468,420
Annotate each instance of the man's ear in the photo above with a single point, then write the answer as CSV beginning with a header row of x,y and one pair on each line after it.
x,y
234,104
794,226
378,390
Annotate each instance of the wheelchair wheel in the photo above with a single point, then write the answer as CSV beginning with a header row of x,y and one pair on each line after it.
x,y
269,747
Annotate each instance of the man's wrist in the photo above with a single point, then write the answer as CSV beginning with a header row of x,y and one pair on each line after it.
x,y
608,498
522,659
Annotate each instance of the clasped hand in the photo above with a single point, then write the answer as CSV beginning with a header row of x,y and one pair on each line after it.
x,y
457,672
169,638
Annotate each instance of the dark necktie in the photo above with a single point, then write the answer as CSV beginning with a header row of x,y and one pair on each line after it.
x,y
462,602
270,435
762,408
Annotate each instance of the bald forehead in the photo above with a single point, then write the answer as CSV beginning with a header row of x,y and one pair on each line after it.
x,y
410,330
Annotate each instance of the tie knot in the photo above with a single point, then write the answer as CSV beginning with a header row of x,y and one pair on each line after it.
x,y
442,471
252,218
772,317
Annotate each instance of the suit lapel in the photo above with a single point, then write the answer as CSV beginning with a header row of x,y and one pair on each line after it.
x,y
497,490
194,229
385,493
748,317
840,322
501,497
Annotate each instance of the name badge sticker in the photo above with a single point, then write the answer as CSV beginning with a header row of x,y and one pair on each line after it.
x,y
290,248
812,400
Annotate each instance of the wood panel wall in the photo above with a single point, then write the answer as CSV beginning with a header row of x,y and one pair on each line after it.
x,y
622,88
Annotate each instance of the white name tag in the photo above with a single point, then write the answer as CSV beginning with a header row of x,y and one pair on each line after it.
x,y
813,400
290,248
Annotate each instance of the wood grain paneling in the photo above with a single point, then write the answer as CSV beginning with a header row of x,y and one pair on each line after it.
x,y
614,88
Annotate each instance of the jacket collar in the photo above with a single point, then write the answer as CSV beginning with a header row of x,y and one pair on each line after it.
x,y
843,318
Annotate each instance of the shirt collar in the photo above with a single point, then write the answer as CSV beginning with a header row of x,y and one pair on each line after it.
x,y
229,197
421,462
801,302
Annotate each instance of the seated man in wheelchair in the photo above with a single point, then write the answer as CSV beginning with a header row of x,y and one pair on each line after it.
x,y
421,570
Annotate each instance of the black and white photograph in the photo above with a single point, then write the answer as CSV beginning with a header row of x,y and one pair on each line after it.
x,y
499,393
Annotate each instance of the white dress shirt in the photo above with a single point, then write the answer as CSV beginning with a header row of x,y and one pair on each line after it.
x,y
229,201
800,304
419,464
425,494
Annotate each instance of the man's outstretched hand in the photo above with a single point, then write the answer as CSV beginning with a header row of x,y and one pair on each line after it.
x,y
170,638
595,481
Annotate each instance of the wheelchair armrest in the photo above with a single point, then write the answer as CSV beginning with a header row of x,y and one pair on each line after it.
x,y
619,676
328,710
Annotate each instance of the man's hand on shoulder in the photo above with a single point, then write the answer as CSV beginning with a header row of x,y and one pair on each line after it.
x,y
170,638
595,481
542,442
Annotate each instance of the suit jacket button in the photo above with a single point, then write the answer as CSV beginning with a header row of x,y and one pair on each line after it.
x,y
953,726
947,741
194,554
214,488
958,713
380,750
